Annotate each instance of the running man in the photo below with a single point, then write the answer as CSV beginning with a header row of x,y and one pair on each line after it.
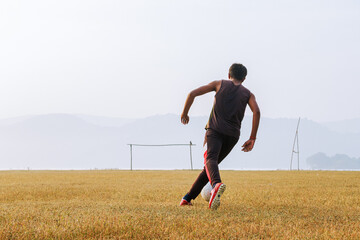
x,y
222,129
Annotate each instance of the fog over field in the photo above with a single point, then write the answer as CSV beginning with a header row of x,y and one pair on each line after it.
x,y
119,72
64,141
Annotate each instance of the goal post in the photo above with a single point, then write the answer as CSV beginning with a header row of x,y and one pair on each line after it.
x,y
131,145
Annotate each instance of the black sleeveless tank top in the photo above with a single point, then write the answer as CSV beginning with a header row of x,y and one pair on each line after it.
x,y
229,108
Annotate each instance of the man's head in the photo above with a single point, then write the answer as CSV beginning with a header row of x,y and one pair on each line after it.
x,y
238,72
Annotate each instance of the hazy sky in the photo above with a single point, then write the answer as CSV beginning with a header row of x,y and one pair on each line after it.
x,y
140,58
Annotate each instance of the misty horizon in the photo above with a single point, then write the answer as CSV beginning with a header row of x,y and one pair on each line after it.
x,y
66,141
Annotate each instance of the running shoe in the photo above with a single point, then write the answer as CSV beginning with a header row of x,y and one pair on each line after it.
x,y
216,193
185,203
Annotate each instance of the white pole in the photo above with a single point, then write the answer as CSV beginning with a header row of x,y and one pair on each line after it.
x,y
191,156
131,157
296,140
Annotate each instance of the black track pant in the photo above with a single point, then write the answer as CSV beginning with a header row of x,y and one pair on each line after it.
x,y
218,147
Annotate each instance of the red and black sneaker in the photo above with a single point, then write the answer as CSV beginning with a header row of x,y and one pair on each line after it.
x,y
216,193
183,202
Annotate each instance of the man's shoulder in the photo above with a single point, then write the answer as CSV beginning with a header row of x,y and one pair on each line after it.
x,y
245,91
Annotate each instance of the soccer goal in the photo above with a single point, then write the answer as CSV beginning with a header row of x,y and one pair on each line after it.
x,y
133,145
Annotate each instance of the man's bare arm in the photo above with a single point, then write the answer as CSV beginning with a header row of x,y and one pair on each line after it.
x,y
213,86
249,144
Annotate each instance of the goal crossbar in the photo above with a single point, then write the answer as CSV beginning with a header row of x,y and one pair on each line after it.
x,y
161,145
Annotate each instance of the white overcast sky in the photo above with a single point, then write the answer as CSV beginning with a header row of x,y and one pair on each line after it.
x,y
140,58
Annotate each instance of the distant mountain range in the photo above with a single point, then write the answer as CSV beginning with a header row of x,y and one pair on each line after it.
x,y
65,141
345,126
338,161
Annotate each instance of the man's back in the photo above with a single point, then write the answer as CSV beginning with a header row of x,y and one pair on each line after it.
x,y
229,108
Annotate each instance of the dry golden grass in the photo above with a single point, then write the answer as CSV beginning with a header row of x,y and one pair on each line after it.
x,y
144,205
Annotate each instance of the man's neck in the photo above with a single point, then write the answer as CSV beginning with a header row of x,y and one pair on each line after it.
x,y
235,81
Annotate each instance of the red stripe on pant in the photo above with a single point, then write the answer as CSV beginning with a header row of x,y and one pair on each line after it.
x,y
206,169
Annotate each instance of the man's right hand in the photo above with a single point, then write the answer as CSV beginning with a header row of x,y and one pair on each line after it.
x,y
184,119
213,86
248,145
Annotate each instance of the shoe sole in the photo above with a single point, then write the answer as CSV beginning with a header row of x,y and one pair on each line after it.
x,y
216,201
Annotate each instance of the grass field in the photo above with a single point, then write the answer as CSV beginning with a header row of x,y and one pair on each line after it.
x,y
144,205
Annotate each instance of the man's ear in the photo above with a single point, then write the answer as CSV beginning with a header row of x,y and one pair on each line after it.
x,y
228,75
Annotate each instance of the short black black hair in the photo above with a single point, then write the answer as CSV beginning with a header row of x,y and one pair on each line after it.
x,y
238,71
